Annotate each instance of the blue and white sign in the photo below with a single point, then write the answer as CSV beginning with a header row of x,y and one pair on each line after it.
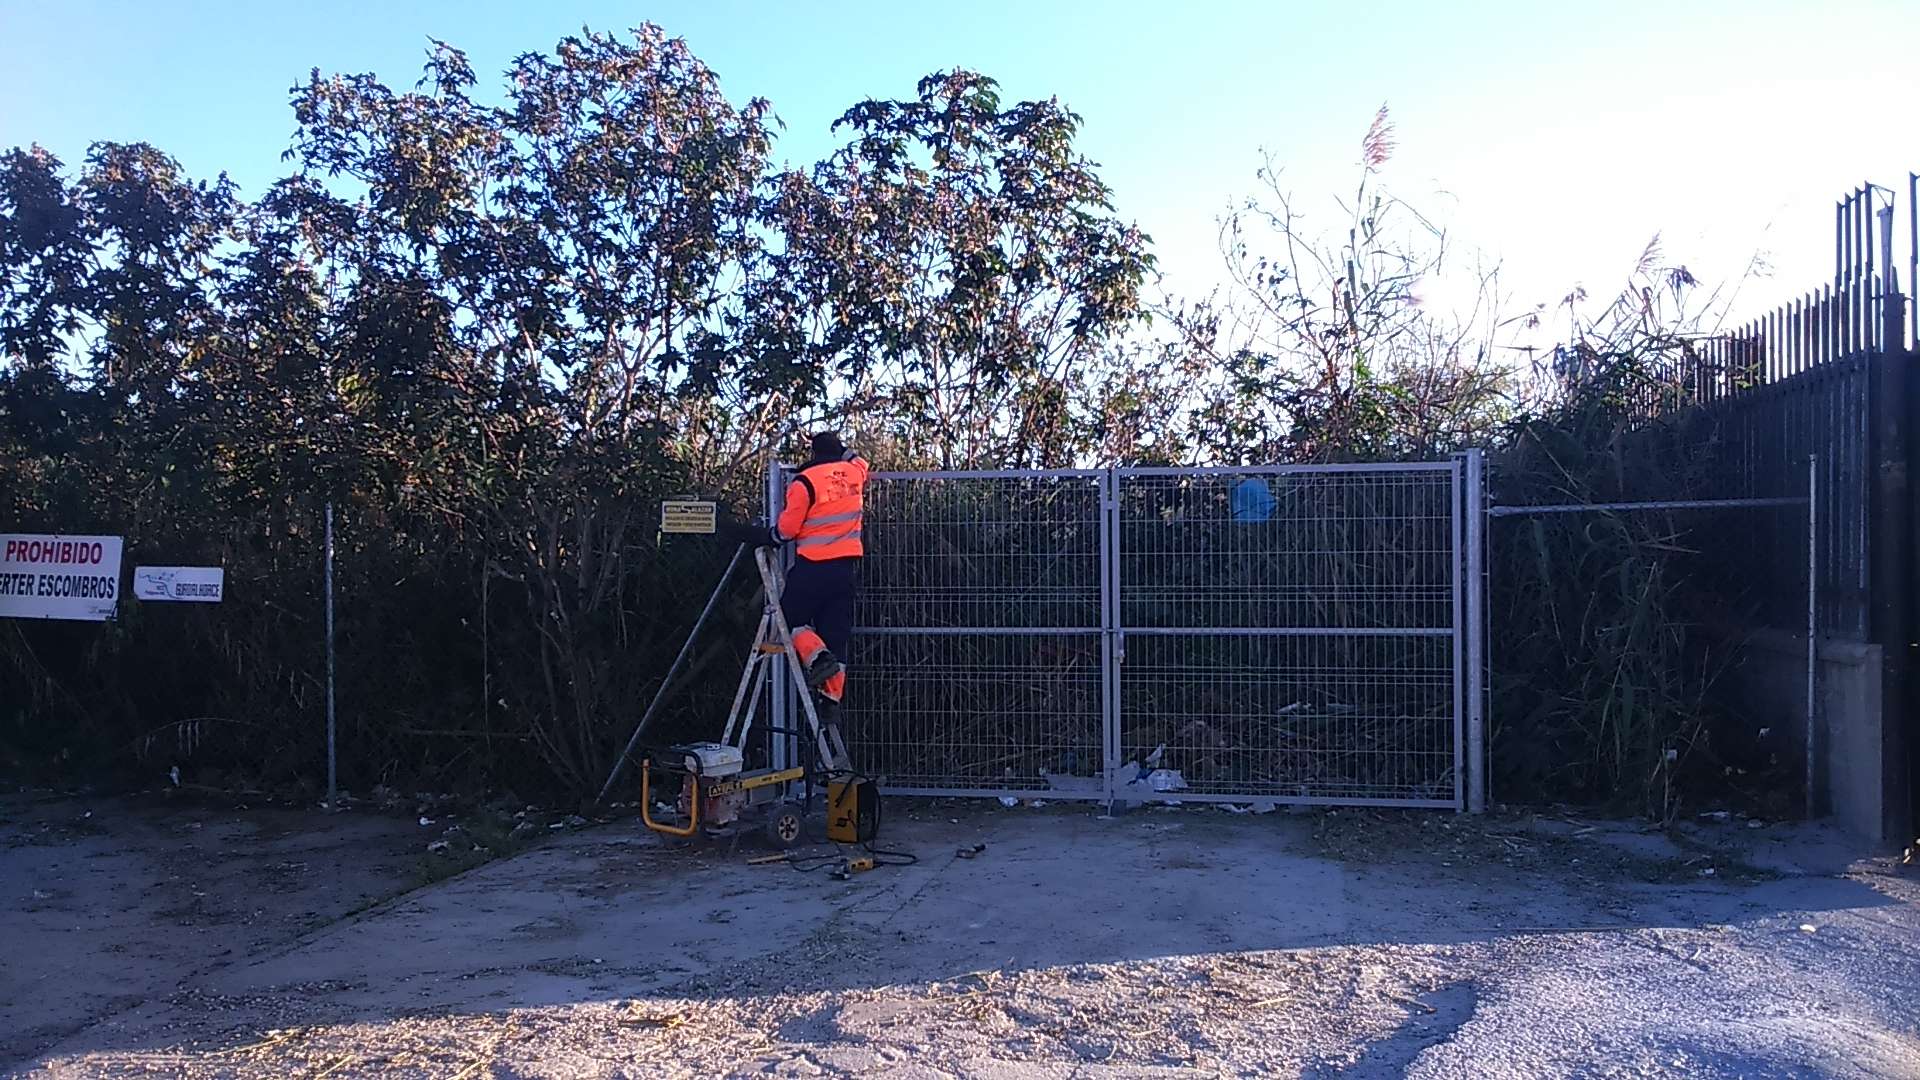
x,y
199,584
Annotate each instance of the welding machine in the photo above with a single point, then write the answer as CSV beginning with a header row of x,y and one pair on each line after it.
x,y
853,811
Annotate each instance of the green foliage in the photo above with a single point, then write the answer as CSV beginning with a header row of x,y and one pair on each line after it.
x,y
957,265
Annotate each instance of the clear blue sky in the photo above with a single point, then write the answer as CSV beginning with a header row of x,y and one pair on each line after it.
x,y
1562,135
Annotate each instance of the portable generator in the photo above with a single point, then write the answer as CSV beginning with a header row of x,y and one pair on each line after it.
x,y
718,793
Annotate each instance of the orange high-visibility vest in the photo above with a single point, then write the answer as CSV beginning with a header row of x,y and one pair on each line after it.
x,y
823,509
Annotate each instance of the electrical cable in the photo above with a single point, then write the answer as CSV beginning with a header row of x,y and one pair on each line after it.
x,y
882,856
808,864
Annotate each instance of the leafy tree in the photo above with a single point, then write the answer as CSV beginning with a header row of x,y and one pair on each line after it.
x,y
956,263
563,273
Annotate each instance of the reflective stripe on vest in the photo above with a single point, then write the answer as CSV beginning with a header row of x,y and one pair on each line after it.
x,y
831,529
823,541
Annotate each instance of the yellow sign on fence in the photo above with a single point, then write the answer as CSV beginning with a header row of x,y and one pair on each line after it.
x,y
696,516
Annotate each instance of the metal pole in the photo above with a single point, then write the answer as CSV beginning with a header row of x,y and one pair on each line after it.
x,y
1110,637
1667,504
686,649
1486,622
1813,625
1457,632
1839,241
333,787
1913,250
1889,278
1892,514
1476,505
783,748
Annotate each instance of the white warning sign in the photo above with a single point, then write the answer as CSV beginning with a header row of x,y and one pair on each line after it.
x,y
689,516
59,577
196,584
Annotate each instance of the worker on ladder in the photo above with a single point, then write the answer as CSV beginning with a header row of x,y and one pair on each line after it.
x,y
821,517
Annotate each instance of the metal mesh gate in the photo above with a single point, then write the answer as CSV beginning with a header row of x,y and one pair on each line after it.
x,y
978,657
1290,633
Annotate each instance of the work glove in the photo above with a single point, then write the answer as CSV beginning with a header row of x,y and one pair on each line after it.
x,y
750,533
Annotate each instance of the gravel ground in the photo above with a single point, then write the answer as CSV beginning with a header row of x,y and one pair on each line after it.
x,y
1159,943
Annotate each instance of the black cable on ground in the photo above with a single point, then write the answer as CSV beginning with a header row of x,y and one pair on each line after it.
x,y
809,863
882,856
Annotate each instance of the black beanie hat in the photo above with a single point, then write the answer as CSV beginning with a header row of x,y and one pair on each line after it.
x,y
827,447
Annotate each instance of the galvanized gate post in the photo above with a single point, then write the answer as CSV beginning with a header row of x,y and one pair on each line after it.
x,y
1475,508
1457,572
1110,642
333,776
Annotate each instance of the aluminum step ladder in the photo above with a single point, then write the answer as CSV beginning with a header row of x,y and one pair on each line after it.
x,y
774,638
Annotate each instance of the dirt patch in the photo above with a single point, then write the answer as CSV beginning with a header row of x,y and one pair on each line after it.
x,y
114,902
1185,942
1561,846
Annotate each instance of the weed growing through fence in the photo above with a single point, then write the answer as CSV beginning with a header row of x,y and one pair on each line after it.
x,y
1600,621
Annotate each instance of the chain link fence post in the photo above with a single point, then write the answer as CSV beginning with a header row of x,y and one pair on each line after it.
x,y
333,779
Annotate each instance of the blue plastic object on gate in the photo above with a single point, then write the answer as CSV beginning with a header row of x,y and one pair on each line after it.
x,y
1252,500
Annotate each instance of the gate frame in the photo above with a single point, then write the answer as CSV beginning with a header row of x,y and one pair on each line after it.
x,y
1460,633
1815,720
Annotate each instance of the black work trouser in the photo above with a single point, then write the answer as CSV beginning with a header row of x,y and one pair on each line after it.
x,y
821,595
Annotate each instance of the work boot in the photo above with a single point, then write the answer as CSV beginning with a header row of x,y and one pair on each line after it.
x,y
825,666
827,710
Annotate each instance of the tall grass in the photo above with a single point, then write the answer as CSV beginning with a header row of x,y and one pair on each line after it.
x,y
1608,629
